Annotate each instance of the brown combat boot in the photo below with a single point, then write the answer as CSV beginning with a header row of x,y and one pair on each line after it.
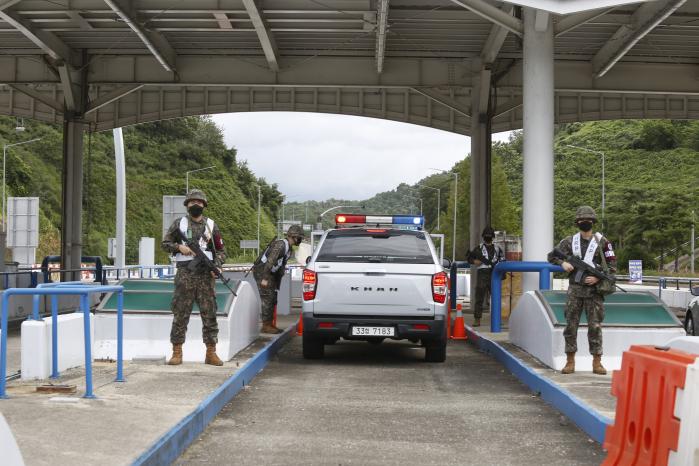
x,y
570,364
597,367
268,327
476,322
211,356
176,358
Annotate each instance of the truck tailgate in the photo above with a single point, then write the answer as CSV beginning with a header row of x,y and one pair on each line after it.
x,y
374,289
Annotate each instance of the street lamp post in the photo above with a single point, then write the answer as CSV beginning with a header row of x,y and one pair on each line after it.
x,y
4,198
259,205
602,155
439,196
456,184
319,224
197,170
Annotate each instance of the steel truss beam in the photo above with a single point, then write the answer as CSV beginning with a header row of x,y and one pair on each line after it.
x,y
643,21
269,46
46,41
493,14
381,31
570,22
496,38
154,41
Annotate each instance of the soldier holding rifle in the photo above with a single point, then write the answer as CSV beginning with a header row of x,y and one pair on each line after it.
x,y
590,261
194,281
484,257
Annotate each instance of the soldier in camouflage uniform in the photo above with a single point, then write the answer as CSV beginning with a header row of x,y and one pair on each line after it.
x,y
269,270
484,257
596,250
194,285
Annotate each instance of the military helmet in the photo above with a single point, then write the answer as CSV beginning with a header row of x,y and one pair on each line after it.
x,y
488,231
295,230
196,194
585,212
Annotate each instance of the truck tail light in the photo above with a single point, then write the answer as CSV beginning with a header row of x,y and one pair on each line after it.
x,y
310,281
440,287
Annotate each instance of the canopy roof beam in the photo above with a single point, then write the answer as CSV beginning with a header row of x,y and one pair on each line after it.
x,y
381,31
492,14
156,44
646,18
265,36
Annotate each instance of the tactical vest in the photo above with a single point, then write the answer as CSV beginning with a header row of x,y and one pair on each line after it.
x,y
281,262
497,253
203,241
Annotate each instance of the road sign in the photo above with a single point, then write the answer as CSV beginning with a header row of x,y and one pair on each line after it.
x,y
636,272
248,244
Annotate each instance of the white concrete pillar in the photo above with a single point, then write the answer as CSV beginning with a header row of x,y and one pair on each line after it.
x,y
538,90
71,221
120,165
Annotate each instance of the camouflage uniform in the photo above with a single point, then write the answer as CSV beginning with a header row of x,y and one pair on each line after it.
x,y
484,274
276,251
194,286
585,297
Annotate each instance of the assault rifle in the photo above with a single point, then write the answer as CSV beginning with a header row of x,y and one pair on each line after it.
x,y
583,269
202,263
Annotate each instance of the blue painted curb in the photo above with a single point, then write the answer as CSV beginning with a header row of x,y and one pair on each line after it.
x,y
171,445
585,417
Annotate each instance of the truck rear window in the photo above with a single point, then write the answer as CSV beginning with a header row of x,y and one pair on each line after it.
x,y
379,246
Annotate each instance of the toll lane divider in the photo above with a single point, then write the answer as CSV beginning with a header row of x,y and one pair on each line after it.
x,y
171,445
584,416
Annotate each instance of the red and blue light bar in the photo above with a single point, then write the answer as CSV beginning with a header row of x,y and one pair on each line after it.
x,y
351,219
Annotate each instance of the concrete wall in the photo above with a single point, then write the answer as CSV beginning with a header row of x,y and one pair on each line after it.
x,y
148,335
532,330
36,345
11,455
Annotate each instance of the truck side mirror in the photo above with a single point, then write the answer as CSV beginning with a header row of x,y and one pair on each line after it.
x,y
446,263
308,259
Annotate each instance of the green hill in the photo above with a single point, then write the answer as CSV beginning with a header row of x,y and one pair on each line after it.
x,y
652,185
157,157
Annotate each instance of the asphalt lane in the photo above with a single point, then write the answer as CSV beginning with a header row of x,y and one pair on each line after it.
x,y
384,405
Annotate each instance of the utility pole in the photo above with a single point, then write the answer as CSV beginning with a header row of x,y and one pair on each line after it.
x,y
693,256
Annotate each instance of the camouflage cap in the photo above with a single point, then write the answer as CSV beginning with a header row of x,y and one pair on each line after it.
x,y
295,230
196,194
585,212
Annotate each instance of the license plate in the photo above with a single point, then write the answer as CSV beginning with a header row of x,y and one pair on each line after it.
x,y
373,331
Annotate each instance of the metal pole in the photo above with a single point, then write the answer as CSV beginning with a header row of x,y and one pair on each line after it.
x,y
453,242
4,213
693,257
439,197
186,176
193,171
603,194
420,207
259,205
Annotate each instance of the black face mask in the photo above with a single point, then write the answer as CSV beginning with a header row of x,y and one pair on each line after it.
x,y
487,238
585,226
195,210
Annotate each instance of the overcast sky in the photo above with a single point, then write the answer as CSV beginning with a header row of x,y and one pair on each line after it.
x,y
319,156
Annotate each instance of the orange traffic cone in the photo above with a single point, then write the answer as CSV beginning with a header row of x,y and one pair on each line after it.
x,y
459,330
299,326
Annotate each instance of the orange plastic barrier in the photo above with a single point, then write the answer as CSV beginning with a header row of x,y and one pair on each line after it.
x,y
645,429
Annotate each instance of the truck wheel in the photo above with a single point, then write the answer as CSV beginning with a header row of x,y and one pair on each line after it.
x,y
313,348
436,351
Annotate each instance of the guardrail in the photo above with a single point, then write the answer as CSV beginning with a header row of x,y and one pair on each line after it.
x,y
73,289
544,269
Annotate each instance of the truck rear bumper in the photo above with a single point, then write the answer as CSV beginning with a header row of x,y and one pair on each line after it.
x,y
412,328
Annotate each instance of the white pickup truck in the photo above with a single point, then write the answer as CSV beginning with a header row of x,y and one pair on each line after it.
x,y
374,280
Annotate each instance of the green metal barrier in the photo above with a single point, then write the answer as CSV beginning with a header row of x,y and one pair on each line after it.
x,y
155,296
632,309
